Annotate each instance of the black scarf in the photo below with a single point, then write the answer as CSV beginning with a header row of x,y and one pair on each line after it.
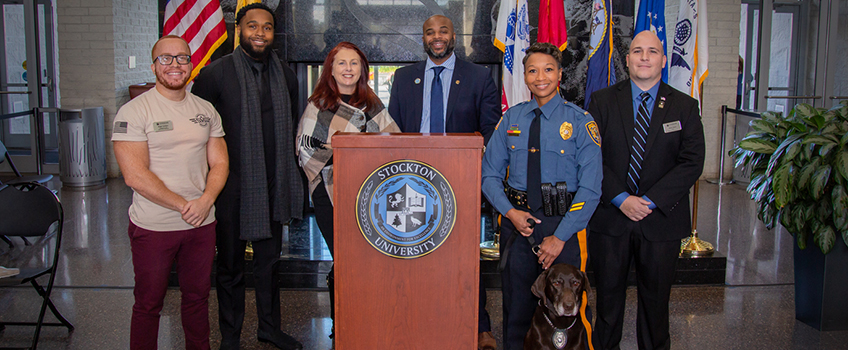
x,y
255,213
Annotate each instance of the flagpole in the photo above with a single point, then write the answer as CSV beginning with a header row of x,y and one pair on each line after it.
x,y
692,246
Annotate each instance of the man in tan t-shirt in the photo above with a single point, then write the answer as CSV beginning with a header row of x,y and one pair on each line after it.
x,y
170,147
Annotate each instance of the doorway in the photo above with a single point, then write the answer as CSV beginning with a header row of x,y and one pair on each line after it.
x,y
28,82
789,52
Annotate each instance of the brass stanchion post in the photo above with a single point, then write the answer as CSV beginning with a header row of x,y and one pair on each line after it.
x,y
693,246
490,250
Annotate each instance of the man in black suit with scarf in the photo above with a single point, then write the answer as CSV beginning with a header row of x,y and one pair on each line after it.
x,y
653,152
446,94
256,95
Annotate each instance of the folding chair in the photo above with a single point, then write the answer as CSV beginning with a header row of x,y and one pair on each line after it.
x,y
34,212
19,178
20,181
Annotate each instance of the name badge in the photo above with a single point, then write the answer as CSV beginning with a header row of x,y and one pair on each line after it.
x,y
163,126
672,127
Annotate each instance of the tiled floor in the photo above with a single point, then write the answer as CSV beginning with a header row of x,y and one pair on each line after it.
x,y
755,310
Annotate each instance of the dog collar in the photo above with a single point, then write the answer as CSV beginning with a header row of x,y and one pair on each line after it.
x,y
559,338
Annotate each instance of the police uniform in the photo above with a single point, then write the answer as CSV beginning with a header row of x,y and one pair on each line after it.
x,y
571,153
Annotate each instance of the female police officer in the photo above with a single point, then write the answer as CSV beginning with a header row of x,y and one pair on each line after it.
x,y
552,151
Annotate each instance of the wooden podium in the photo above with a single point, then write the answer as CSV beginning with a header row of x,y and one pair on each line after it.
x,y
409,296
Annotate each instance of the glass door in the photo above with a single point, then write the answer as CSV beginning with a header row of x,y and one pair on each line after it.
x,y
27,82
789,54
836,77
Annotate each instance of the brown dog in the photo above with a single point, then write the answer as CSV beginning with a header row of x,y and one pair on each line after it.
x,y
556,323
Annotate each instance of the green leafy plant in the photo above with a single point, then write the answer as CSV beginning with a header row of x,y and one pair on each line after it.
x,y
799,172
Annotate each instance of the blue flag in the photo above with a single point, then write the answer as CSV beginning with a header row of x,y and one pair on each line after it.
x,y
601,71
651,16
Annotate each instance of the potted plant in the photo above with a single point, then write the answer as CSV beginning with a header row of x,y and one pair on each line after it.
x,y
799,174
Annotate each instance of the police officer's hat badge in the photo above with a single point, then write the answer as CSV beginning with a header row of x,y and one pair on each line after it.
x,y
406,209
565,130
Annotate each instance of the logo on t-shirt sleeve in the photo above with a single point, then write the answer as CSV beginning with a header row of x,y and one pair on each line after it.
x,y
201,119
120,128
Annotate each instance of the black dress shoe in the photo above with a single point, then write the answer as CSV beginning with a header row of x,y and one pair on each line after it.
x,y
230,345
280,340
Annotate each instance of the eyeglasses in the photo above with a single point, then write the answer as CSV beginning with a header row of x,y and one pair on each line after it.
x,y
166,60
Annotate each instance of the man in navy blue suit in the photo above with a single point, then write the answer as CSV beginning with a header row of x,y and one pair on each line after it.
x,y
446,94
469,95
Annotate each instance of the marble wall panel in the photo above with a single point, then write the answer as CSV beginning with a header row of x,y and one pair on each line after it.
x,y
389,31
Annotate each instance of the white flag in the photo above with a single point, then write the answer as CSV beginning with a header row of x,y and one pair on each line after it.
x,y
512,37
690,55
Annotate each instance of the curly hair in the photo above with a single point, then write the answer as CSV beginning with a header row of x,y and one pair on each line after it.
x,y
256,5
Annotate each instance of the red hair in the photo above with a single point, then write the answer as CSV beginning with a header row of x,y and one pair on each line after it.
x,y
326,95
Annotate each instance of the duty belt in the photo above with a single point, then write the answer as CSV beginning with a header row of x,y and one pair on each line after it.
x,y
556,200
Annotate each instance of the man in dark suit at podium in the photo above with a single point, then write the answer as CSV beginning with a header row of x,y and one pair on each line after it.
x,y
446,94
653,152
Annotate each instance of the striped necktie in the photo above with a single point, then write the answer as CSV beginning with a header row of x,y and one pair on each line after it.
x,y
637,150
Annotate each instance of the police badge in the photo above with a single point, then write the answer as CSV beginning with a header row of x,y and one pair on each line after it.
x,y
565,130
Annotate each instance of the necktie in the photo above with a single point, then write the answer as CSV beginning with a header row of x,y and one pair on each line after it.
x,y
437,109
637,150
534,164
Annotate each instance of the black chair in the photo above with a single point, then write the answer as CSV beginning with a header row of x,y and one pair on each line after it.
x,y
33,212
20,181
19,178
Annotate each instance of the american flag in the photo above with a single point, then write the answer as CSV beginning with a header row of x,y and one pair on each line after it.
x,y
200,23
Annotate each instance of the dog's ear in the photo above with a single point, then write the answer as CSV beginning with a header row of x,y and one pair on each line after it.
x,y
586,286
538,288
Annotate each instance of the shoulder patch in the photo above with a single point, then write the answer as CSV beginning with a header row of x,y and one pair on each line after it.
x,y
594,133
120,127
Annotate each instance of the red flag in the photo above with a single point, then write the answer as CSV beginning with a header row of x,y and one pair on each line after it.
x,y
552,23
200,23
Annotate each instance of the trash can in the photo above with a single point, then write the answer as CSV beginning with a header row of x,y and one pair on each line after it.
x,y
82,147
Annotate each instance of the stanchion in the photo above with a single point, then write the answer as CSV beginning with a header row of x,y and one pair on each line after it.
x,y
722,153
693,246
490,250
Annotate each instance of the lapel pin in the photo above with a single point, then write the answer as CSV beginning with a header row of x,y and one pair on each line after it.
x,y
417,80
457,82
662,102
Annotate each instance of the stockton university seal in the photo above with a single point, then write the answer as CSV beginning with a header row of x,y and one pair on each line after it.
x,y
405,209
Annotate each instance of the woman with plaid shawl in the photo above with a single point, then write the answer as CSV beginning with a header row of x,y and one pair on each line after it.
x,y
342,102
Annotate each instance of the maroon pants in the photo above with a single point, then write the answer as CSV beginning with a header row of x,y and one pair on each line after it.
x,y
153,254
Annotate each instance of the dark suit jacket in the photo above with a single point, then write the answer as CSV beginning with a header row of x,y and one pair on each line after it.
x,y
672,162
473,104
218,84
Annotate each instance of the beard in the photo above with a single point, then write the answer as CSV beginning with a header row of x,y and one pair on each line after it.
x,y
448,50
162,78
245,44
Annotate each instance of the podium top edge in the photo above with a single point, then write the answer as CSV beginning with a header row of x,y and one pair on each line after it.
x,y
408,140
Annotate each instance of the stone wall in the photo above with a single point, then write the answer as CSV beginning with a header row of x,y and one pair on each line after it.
x,y
96,38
